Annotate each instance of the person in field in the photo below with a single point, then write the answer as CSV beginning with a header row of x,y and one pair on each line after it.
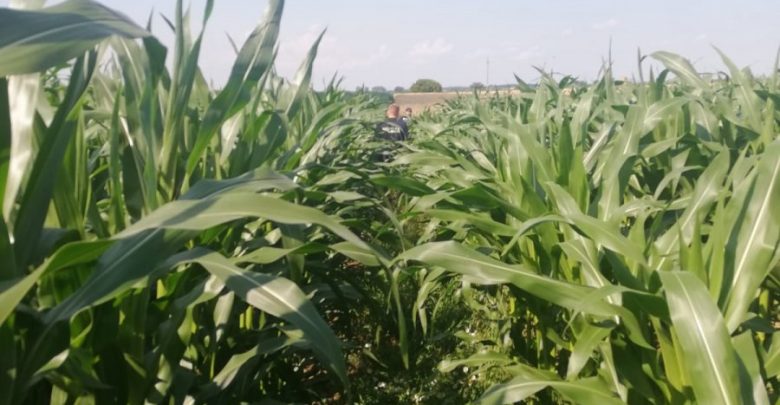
x,y
393,128
407,117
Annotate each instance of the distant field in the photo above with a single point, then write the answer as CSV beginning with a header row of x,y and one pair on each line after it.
x,y
422,101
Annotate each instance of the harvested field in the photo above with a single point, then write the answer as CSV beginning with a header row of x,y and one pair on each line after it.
x,y
423,101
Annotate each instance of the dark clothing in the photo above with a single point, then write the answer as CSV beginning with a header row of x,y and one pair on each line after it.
x,y
393,129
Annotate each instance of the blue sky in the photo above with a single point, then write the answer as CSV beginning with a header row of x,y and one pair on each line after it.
x,y
394,43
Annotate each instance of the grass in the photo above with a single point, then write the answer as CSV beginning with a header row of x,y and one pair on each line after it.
x,y
165,242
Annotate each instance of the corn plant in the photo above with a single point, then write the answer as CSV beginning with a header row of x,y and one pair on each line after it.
x,y
150,240
634,229
166,242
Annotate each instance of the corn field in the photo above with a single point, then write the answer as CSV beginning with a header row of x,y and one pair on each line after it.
x,y
164,241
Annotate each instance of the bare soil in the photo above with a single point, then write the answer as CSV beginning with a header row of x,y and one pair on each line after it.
x,y
420,102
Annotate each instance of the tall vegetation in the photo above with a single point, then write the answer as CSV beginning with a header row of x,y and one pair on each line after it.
x,y
162,241
426,86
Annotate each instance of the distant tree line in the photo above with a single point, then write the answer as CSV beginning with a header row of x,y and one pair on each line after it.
x,y
426,86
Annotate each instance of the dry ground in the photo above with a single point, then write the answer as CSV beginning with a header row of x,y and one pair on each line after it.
x,y
420,102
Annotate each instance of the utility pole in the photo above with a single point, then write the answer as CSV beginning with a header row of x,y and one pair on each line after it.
x,y
487,72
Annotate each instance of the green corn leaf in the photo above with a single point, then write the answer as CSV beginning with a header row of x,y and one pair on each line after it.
x,y
682,68
364,256
619,161
482,222
243,363
750,368
772,360
31,41
596,229
302,79
194,215
475,360
279,297
705,193
590,391
254,60
488,271
587,341
757,238
69,255
40,186
747,97
709,356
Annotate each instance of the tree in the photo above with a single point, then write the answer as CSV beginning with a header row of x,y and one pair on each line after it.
x,y
378,89
426,86
398,89
477,86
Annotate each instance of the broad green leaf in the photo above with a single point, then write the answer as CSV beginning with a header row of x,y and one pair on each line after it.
x,y
601,232
750,368
195,215
31,41
302,80
587,341
661,110
486,270
709,356
7,259
482,222
619,161
772,361
242,363
279,297
36,197
253,61
408,185
591,391
266,255
22,92
708,187
71,254
749,102
754,246
364,256
682,68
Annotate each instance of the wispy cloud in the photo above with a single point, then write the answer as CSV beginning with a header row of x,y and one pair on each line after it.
x,y
603,25
436,47
701,37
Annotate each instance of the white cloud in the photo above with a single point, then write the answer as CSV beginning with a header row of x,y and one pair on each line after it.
x,y
436,47
603,25
567,33
701,37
